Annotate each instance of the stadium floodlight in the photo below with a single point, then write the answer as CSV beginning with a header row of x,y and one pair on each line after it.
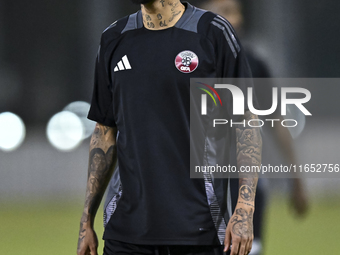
x,y
65,131
81,109
12,131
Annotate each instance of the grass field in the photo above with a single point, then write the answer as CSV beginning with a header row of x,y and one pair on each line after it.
x,y
42,228
52,229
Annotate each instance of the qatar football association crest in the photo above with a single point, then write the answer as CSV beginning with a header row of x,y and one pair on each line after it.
x,y
186,61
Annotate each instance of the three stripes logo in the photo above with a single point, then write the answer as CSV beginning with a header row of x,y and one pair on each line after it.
x,y
204,97
122,65
228,33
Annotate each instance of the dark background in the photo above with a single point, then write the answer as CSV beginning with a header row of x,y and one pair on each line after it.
x,y
47,54
47,48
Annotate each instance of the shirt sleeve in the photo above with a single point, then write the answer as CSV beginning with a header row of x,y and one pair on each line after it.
x,y
101,109
231,60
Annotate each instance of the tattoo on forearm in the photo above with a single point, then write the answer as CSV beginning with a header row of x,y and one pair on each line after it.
x,y
241,202
246,193
242,222
159,16
249,153
162,2
82,230
101,166
249,146
100,163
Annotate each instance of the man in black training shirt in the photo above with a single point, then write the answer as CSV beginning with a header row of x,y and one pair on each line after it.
x,y
142,89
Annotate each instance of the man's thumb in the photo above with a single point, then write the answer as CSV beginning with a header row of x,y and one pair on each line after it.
x,y
93,250
227,241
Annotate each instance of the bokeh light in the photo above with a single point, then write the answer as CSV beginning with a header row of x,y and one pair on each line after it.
x,y
81,109
12,131
65,131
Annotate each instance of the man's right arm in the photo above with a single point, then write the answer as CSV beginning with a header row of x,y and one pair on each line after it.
x,y
102,159
298,196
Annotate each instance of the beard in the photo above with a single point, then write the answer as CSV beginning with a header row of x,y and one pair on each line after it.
x,y
141,1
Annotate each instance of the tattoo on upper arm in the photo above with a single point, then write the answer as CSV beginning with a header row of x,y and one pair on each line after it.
x,y
110,155
95,136
106,129
99,130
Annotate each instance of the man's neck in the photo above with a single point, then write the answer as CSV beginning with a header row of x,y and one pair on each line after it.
x,y
162,14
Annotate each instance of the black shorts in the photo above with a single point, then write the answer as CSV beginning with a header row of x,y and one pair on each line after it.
x,y
113,247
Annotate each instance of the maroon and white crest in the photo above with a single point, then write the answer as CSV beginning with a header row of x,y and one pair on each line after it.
x,y
186,61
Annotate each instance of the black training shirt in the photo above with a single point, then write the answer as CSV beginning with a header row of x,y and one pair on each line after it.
x,y
142,88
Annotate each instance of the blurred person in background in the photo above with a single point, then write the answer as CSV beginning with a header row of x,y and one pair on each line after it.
x,y
232,11
141,92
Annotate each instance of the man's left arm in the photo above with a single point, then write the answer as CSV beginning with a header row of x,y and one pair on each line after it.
x,y
239,231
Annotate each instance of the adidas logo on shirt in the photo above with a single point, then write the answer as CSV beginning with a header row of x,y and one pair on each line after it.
x,y
122,65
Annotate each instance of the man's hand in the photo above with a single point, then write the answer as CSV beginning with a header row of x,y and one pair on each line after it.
x,y
239,231
88,241
298,198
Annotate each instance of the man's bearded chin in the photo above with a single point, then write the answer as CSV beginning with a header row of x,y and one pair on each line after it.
x,y
142,1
